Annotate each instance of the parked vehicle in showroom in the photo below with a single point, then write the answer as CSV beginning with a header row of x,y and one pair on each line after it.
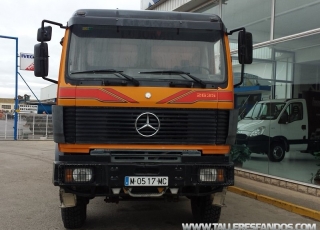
x,y
274,127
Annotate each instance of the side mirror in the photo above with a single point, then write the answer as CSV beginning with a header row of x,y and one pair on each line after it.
x,y
245,47
41,57
45,34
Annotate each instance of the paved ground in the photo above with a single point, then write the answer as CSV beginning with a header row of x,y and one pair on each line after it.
x,y
29,200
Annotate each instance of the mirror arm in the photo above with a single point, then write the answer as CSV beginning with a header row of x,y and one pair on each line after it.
x,y
51,80
241,76
236,30
54,23
43,31
50,22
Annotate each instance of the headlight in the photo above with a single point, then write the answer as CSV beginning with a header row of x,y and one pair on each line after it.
x,y
78,175
258,131
211,175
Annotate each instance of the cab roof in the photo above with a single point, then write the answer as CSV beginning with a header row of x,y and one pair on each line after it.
x,y
146,18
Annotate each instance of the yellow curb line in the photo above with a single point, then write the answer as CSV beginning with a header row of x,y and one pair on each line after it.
x,y
278,203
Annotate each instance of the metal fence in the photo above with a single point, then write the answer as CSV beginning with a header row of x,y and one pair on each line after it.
x,y
31,126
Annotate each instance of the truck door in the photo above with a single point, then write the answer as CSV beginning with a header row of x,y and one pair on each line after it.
x,y
295,129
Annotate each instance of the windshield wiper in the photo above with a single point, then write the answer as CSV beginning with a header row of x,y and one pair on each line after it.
x,y
133,80
177,72
102,81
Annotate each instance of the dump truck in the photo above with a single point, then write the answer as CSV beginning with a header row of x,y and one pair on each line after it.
x,y
145,109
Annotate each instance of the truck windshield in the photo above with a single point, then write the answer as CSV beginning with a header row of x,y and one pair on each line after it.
x,y
133,50
265,111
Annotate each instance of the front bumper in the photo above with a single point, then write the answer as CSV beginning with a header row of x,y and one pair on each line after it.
x,y
107,175
257,144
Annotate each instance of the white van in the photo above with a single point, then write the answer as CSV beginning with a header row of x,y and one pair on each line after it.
x,y
274,127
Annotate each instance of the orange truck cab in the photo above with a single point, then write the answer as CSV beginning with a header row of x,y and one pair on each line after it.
x,y
145,109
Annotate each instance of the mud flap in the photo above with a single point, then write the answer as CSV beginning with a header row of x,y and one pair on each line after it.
x,y
68,200
218,198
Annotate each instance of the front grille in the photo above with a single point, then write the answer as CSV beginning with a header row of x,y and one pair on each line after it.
x,y
165,126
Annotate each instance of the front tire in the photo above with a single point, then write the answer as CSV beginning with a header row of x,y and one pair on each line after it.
x,y
74,217
203,211
277,152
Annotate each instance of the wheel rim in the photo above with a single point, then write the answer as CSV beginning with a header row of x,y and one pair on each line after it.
x,y
277,152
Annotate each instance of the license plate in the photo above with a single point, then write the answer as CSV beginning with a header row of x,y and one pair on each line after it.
x,y
146,181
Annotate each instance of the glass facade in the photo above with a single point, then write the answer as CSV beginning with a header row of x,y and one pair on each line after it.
x,y
300,15
279,100
254,15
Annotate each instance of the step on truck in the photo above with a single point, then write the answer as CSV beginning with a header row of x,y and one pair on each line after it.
x,y
145,108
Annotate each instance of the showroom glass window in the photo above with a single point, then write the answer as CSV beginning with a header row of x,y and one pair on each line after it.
x,y
254,15
300,15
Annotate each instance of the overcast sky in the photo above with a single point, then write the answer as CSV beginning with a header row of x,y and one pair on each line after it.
x,y
22,18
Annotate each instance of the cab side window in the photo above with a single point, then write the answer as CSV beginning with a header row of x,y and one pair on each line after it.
x,y
295,112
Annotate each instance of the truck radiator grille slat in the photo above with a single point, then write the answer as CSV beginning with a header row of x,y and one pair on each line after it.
x,y
118,125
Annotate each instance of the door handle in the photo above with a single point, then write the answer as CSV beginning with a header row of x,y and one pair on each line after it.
x,y
303,127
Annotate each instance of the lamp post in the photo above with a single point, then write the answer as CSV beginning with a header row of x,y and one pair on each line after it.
x,y
15,128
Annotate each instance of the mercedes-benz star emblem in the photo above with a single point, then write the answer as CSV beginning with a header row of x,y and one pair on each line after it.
x,y
147,124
